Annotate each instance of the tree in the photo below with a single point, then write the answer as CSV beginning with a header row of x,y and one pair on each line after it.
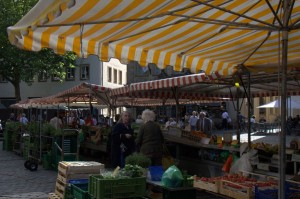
x,y
18,65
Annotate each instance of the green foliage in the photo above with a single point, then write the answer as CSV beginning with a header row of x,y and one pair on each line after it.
x,y
49,130
12,128
19,65
138,159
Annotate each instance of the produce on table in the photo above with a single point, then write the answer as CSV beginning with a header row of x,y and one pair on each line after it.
x,y
129,171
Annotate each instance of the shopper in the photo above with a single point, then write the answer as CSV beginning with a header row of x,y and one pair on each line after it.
x,y
193,120
56,122
89,120
150,139
225,117
122,143
204,124
23,119
170,122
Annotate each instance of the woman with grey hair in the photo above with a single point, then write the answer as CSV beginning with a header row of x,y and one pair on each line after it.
x,y
150,138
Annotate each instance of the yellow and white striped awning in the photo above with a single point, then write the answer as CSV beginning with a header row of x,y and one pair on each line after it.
x,y
201,35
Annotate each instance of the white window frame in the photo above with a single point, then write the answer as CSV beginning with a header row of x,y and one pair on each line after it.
x,y
109,74
115,75
85,72
70,76
120,77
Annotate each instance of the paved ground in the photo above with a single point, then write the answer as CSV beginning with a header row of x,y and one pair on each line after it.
x,y
17,182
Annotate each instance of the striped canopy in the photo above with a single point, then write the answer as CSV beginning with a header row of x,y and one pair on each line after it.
x,y
196,34
82,94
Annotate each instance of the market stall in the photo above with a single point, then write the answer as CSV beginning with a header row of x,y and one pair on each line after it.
x,y
211,36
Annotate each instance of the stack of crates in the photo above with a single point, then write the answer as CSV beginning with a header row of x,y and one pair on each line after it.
x,y
68,144
26,147
74,171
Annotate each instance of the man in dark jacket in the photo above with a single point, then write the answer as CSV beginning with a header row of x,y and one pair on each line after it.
x,y
204,124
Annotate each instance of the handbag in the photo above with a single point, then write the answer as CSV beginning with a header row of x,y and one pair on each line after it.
x,y
167,159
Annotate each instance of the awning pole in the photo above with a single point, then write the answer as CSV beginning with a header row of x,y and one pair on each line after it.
x,y
237,114
283,94
249,112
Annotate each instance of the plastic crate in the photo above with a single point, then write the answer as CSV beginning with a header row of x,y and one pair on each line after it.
x,y
80,191
263,193
156,172
292,190
101,188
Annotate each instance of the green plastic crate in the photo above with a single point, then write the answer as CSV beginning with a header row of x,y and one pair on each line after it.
x,y
80,191
101,188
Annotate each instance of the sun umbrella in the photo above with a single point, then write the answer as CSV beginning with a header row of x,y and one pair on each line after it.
x,y
276,104
199,35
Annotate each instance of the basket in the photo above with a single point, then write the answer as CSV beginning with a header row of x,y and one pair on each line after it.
x,y
101,188
80,191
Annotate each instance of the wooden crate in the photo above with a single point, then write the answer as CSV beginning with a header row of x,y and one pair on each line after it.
x,y
60,188
53,196
65,178
235,190
209,186
88,167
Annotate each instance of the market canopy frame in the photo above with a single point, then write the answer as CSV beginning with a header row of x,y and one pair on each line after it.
x,y
198,35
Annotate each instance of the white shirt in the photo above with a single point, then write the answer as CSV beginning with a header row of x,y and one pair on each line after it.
x,y
193,120
56,122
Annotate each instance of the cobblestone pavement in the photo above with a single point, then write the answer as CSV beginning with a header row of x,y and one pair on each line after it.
x,y
17,182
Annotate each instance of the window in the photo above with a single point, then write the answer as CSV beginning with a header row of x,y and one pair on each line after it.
x,y
120,77
3,79
70,74
84,72
42,77
109,74
55,78
115,76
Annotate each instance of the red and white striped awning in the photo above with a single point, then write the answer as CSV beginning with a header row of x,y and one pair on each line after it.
x,y
82,93
162,87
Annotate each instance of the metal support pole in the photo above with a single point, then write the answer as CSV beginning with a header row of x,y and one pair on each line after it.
x,y
237,114
249,112
283,94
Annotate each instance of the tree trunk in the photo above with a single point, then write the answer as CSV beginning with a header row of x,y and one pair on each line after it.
x,y
17,91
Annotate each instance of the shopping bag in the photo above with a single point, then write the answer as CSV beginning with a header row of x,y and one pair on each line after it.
x,y
167,159
172,177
